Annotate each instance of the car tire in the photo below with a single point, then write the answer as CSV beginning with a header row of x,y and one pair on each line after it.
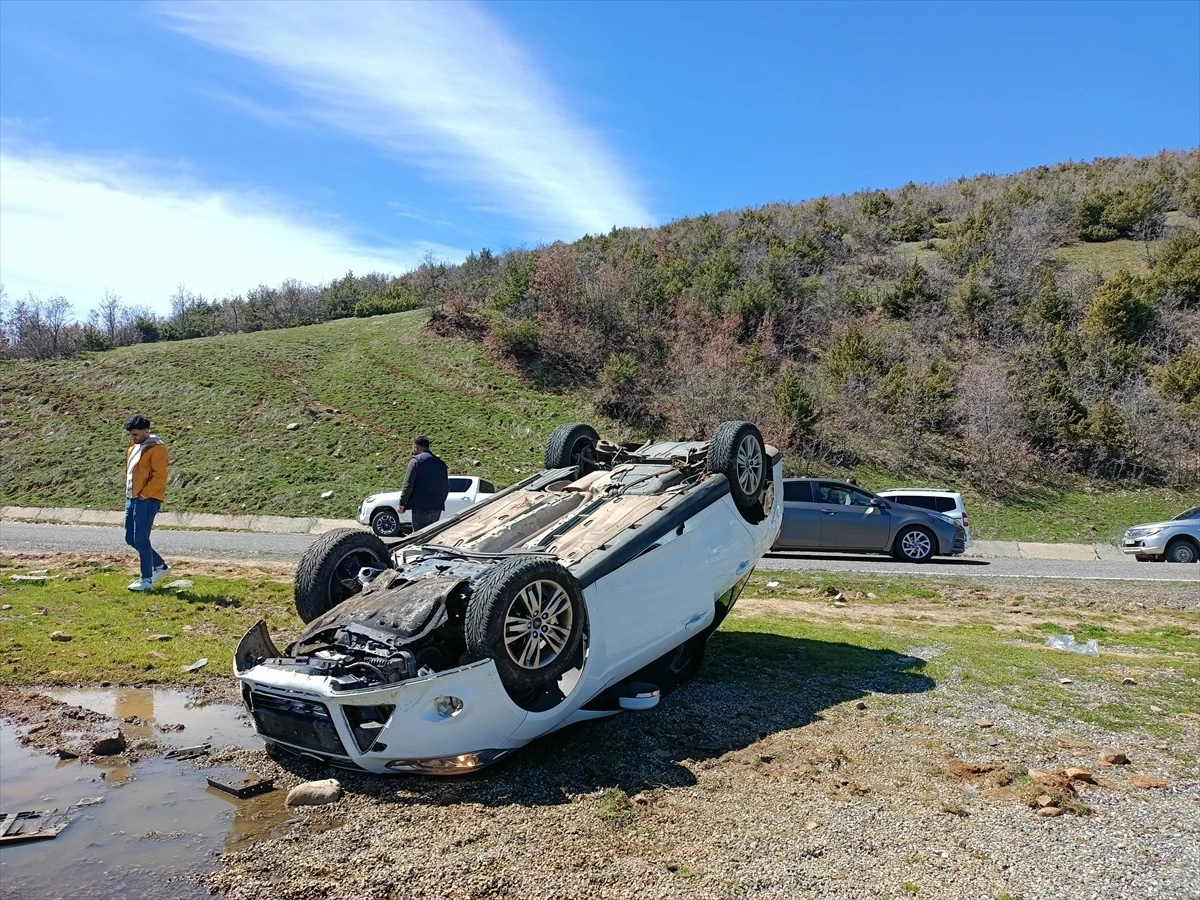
x,y
385,522
1181,550
914,544
737,451
532,591
573,444
328,572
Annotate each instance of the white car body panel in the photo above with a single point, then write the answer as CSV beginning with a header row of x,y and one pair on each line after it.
x,y
456,501
957,514
636,613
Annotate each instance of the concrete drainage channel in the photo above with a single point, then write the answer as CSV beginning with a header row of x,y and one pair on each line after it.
x,y
145,828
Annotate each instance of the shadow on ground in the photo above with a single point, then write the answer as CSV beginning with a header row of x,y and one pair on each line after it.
x,y
751,685
918,568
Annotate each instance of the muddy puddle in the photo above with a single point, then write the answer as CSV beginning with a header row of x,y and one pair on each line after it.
x,y
157,822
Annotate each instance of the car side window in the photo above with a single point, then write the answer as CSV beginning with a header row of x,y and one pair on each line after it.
x,y
486,487
917,501
841,495
459,485
797,492
944,504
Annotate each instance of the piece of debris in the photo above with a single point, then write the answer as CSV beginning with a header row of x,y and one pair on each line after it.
x,y
860,705
1114,758
242,785
159,637
188,752
177,584
325,495
156,654
871,596
42,572
6,606
1066,681
61,636
1147,781
1049,811
772,584
984,723
90,801
1128,680
1067,642
33,825
167,727
292,426
109,744
196,666
32,577
315,793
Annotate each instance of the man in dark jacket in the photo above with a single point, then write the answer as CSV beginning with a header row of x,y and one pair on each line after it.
x,y
425,485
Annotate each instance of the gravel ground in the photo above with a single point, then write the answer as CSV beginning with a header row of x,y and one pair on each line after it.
x,y
886,789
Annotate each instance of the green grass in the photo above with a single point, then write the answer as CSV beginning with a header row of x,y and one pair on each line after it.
x,y
110,626
1105,258
359,389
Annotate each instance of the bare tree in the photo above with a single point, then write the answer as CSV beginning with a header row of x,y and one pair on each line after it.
x,y
108,314
57,316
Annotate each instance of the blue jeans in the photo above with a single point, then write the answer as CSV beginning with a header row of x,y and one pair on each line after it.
x,y
423,518
139,519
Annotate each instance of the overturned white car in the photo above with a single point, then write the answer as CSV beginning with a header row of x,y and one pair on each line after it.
x,y
586,589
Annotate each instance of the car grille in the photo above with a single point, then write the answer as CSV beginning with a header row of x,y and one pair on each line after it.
x,y
304,723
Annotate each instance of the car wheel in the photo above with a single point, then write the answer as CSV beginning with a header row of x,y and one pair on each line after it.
x,y
737,451
386,522
526,615
1181,550
328,572
914,544
573,444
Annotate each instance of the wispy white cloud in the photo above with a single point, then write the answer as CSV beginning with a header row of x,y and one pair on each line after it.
x,y
442,85
76,226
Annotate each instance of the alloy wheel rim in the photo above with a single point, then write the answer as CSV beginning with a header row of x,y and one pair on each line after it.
x,y
386,523
749,464
916,544
538,624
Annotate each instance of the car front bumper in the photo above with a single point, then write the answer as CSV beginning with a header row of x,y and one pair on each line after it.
x,y
405,729
1152,545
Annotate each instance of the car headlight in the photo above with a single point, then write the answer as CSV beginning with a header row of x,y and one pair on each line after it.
x,y
1142,532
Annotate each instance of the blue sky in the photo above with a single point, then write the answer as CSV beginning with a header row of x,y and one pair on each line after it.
x,y
222,145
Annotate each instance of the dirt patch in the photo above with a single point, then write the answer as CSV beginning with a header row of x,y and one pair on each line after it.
x,y
182,566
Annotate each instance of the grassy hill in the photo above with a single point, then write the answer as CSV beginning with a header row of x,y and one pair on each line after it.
x,y
357,389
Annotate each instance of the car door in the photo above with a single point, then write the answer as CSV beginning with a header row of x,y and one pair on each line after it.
x,y
801,517
849,521
459,497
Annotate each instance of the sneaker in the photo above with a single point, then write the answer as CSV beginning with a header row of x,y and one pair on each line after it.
x,y
160,573
142,584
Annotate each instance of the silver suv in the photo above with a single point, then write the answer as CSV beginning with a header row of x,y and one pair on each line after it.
x,y
1176,540
819,514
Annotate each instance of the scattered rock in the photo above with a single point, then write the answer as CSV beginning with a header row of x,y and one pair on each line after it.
x,y
196,666
40,572
36,727
179,583
870,596
156,654
1077,774
292,426
1114,758
31,577
984,723
1147,781
1128,680
860,705
6,606
315,793
1156,709
810,825
65,753
1045,800
991,741
109,744
1066,681
1049,811
159,637
325,495
61,636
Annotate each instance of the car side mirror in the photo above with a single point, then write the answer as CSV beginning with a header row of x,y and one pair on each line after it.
x,y
878,503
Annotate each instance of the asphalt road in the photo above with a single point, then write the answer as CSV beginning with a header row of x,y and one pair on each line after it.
x,y
289,548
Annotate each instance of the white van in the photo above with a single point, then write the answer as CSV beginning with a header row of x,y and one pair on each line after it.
x,y
948,503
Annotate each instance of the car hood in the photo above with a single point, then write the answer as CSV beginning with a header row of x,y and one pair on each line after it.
x,y
389,497
1167,524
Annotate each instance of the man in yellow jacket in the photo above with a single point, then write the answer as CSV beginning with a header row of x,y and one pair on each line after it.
x,y
145,489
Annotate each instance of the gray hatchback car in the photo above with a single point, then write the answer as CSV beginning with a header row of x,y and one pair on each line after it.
x,y
819,514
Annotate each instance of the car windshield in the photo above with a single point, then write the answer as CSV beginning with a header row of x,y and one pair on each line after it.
x,y
1193,513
